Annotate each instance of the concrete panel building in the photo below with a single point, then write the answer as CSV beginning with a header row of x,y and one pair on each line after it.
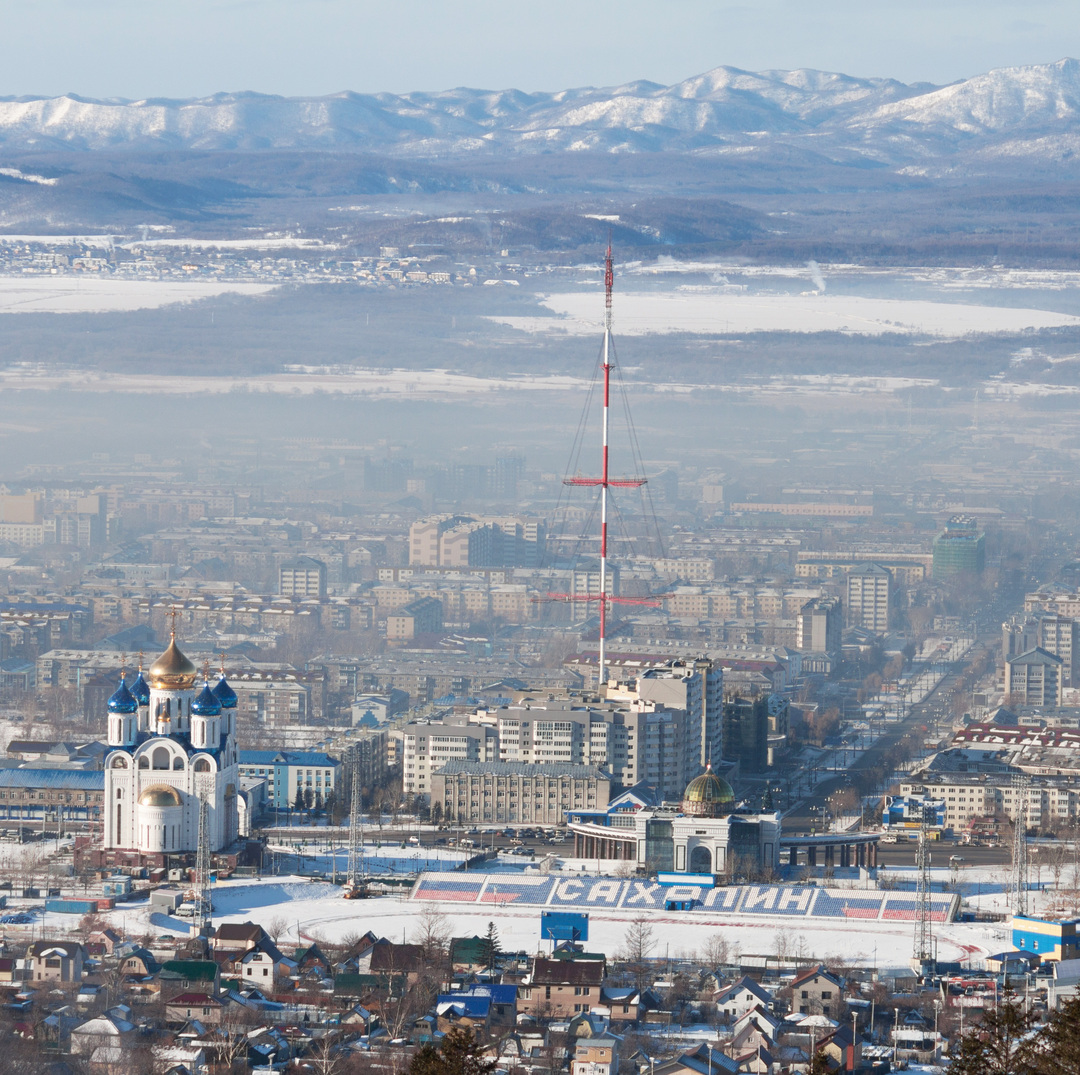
x,y
869,596
1034,678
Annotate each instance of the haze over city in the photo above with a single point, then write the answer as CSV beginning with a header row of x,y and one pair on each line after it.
x,y
539,539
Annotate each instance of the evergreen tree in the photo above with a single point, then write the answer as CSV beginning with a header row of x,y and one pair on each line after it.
x,y
309,798
457,1054
996,1046
491,948
298,802
1055,1050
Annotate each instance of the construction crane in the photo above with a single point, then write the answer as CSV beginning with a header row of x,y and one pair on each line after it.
x,y
355,887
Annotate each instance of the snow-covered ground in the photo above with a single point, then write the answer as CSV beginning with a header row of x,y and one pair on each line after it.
x,y
93,294
435,384
724,311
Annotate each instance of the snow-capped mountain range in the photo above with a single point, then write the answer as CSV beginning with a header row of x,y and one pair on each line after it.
x,y
1008,113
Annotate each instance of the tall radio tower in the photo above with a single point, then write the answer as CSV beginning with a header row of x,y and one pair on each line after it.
x,y
924,940
203,911
605,483
354,882
1021,785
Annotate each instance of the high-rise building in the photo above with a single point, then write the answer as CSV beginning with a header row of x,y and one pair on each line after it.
x,y
302,576
1034,678
819,626
1058,635
959,548
869,595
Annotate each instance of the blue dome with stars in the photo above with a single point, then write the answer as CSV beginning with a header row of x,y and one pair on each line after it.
x,y
123,701
206,705
224,693
140,690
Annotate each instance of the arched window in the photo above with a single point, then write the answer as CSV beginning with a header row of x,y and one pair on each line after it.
x,y
119,762
178,762
144,762
202,765
161,758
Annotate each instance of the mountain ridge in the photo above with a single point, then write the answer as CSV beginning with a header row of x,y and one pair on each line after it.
x,y
886,122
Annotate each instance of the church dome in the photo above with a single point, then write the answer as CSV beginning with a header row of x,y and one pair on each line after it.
x,y
224,693
207,704
708,795
123,701
160,795
172,671
140,691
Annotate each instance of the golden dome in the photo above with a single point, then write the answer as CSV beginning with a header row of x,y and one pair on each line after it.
x,y
172,671
708,795
160,795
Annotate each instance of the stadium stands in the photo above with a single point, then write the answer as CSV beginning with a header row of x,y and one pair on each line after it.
x,y
598,893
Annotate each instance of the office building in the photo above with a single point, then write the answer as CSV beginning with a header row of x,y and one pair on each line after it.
x,y
819,626
959,548
501,792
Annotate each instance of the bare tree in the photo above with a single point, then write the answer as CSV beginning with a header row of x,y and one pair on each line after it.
x,y
638,943
432,933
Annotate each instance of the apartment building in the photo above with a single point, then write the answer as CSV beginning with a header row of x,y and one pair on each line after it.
x,y
1034,678
1050,801
869,596
636,741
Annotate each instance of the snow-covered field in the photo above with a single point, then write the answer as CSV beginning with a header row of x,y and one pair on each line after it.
x,y
315,910
377,384
722,310
92,294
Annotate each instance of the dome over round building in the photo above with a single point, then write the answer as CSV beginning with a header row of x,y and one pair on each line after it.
x,y
172,671
160,795
708,795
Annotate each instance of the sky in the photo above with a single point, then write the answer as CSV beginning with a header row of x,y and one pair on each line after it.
x,y
164,48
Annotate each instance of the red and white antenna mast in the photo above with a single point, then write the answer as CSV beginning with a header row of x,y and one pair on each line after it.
x,y
605,482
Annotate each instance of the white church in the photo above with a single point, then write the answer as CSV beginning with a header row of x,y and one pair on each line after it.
x,y
173,745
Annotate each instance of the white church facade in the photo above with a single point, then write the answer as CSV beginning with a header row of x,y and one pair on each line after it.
x,y
173,745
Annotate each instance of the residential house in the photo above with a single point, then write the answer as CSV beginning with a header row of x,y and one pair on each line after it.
x,y
595,1056
266,967
817,992
189,976
559,988
183,1007
740,997
111,1030
103,942
622,1002
755,1030
237,937
139,963
704,1060
55,961
10,971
